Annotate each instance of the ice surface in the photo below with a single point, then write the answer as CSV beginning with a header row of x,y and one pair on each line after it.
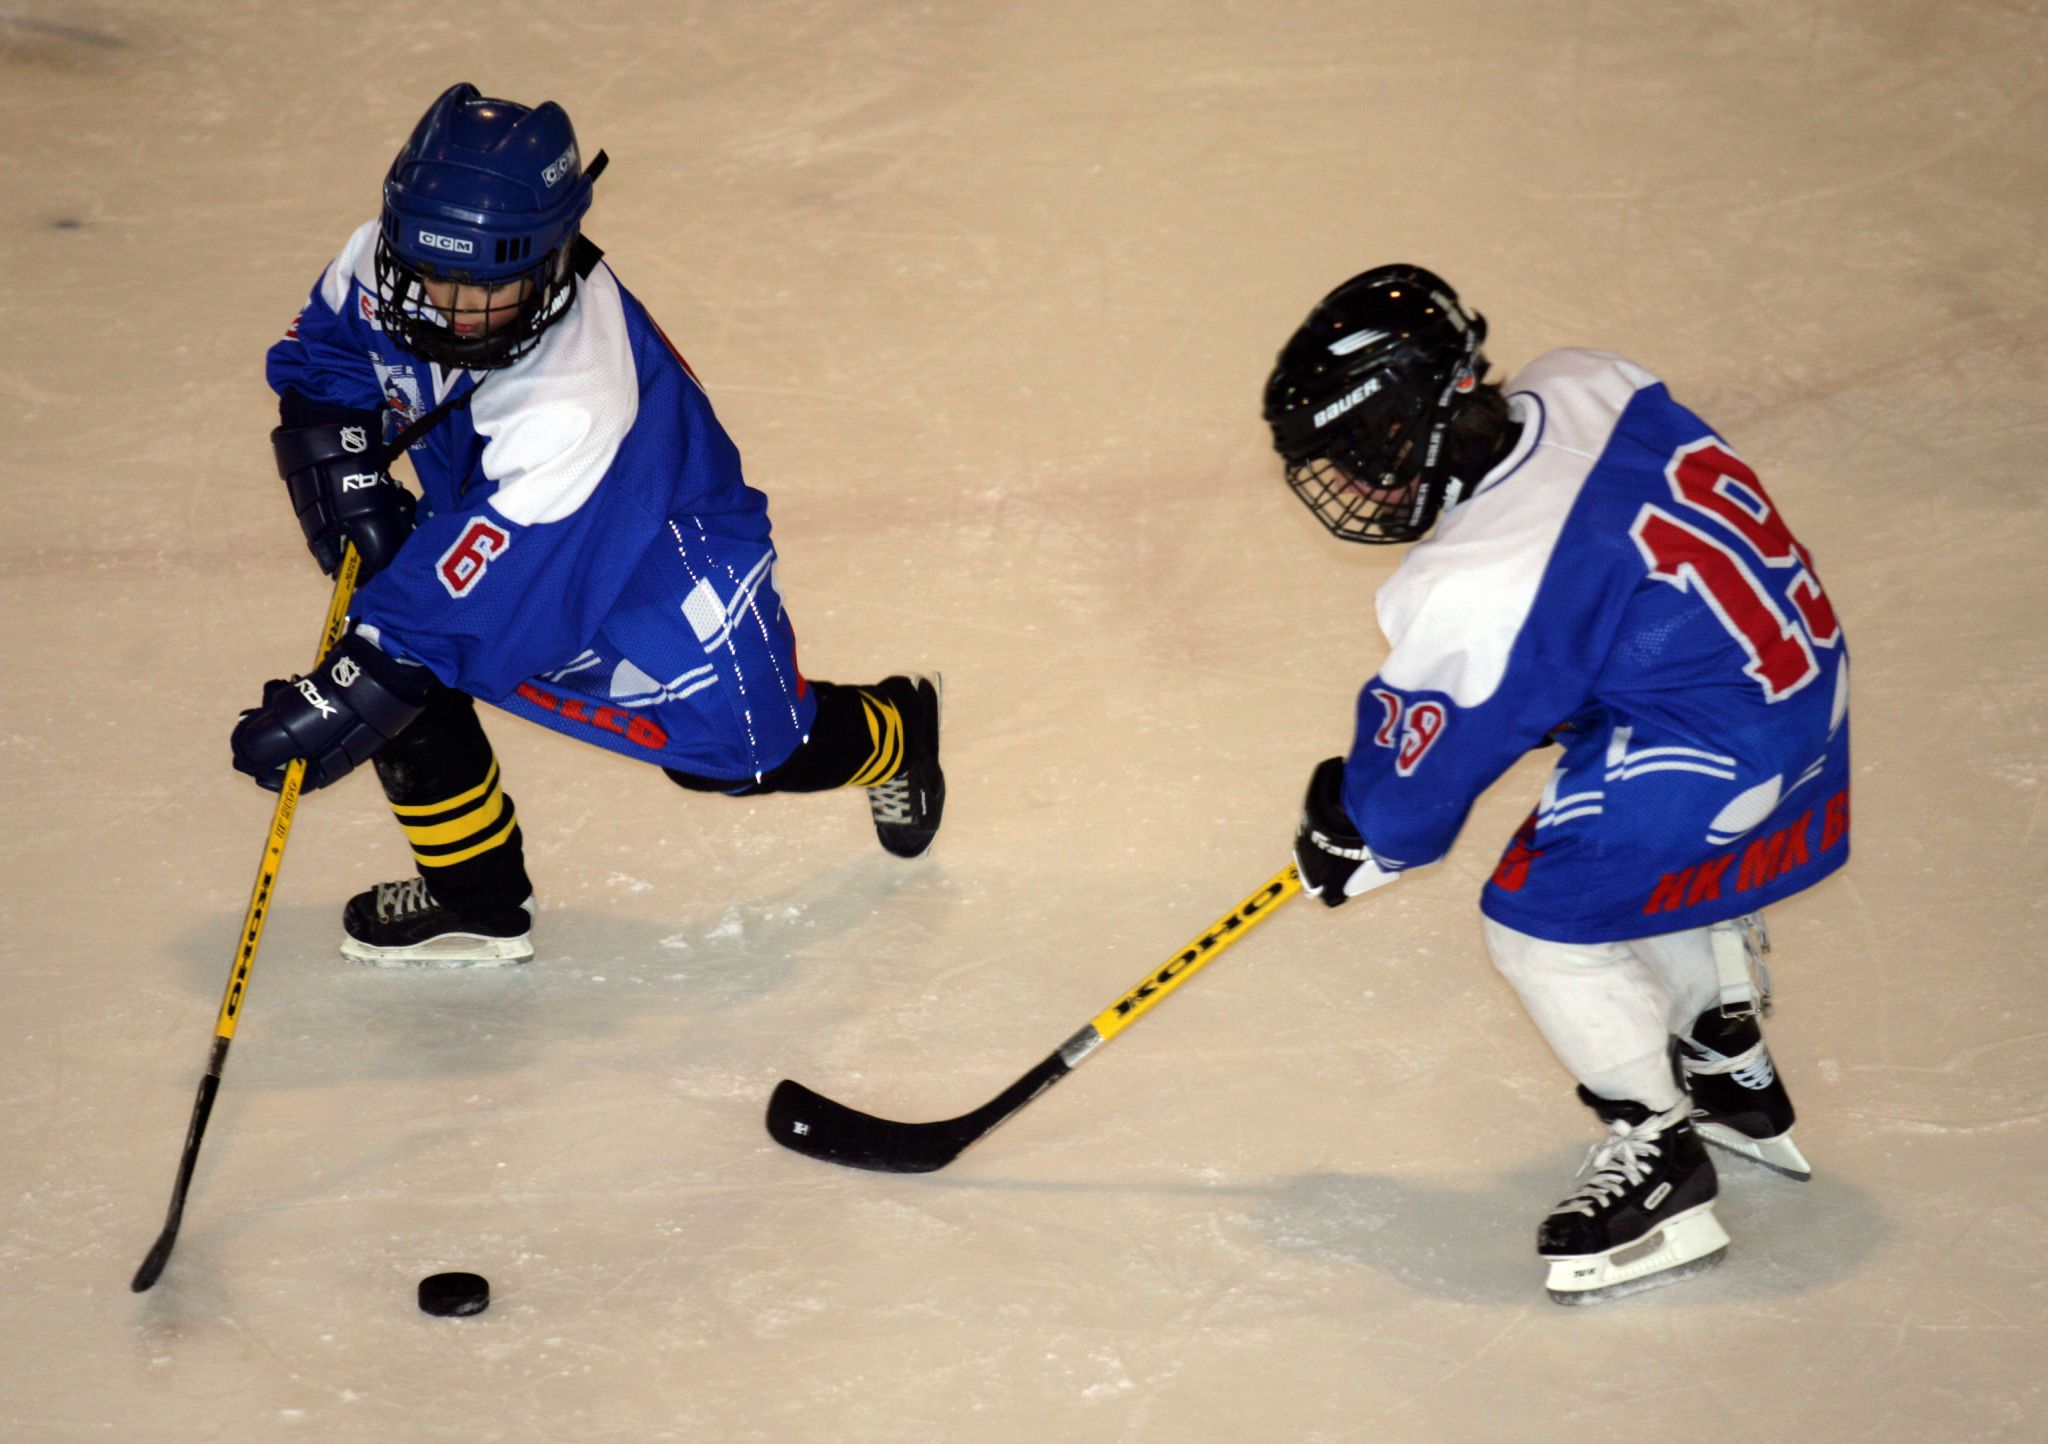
x,y
986,294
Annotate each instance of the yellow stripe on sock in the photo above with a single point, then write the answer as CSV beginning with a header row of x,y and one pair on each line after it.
x,y
885,732
456,829
446,859
428,809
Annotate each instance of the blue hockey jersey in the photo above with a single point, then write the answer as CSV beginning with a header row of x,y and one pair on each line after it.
x,y
587,555
1622,584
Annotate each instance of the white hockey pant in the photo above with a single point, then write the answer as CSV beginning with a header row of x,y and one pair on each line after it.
x,y
1609,1010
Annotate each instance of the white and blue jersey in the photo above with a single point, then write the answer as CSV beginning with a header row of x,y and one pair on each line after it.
x,y
1620,582
587,555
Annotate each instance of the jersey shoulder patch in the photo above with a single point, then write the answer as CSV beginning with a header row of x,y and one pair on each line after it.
x,y
1582,394
357,262
553,423
1462,597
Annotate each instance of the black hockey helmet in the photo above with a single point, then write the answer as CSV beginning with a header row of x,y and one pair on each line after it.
x,y
1361,398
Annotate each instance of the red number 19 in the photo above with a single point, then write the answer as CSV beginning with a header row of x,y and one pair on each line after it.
x,y
1707,477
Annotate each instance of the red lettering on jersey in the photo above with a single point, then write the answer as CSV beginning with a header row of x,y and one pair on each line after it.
x,y
1713,481
1512,872
1814,608
1389,733
1425,724
1796,854
463,565
1710,477
1706,880
1835,824
639,730
1764,861
1669,894
1761,861
1780,658
1770,858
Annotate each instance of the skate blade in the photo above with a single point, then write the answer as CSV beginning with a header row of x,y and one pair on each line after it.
x,y
1780,1154
1681,1248
453,952
1586,1298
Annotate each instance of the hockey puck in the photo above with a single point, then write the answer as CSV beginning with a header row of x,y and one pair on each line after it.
x,y
455,1296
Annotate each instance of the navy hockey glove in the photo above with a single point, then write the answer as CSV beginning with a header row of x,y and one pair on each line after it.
x,y
336,717
1332,858
340,496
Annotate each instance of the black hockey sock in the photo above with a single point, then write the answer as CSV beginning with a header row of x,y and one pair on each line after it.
x,y
442,782
856,741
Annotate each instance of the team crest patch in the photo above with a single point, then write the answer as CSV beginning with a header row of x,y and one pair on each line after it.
x,y
401,390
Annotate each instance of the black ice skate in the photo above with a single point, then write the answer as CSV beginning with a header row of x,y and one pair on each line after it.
x,y
908,806
1738,1100
1644,1216
399,925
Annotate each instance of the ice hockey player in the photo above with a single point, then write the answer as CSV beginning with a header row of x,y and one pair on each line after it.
x,y
1606,574
585,553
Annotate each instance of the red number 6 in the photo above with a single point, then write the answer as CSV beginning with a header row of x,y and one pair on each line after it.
x,y
462,566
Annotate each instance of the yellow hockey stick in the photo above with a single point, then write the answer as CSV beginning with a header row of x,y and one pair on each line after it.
x,y
817,1127
245,947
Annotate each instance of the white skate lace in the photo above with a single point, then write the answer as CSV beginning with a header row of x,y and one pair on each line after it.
x,y
890,801
1618,1163
402,899
1751,1067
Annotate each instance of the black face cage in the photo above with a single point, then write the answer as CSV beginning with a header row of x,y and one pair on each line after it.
x,y
1375,480
411,320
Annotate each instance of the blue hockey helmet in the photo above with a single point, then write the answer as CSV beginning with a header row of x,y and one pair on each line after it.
x,y
1363,396
489,194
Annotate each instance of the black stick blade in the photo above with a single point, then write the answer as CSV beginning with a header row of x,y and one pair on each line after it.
x,y
202,1109
815,1126
153,1266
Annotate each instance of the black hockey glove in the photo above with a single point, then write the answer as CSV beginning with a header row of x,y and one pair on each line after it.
x,y
336,717
340,496
1328,851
